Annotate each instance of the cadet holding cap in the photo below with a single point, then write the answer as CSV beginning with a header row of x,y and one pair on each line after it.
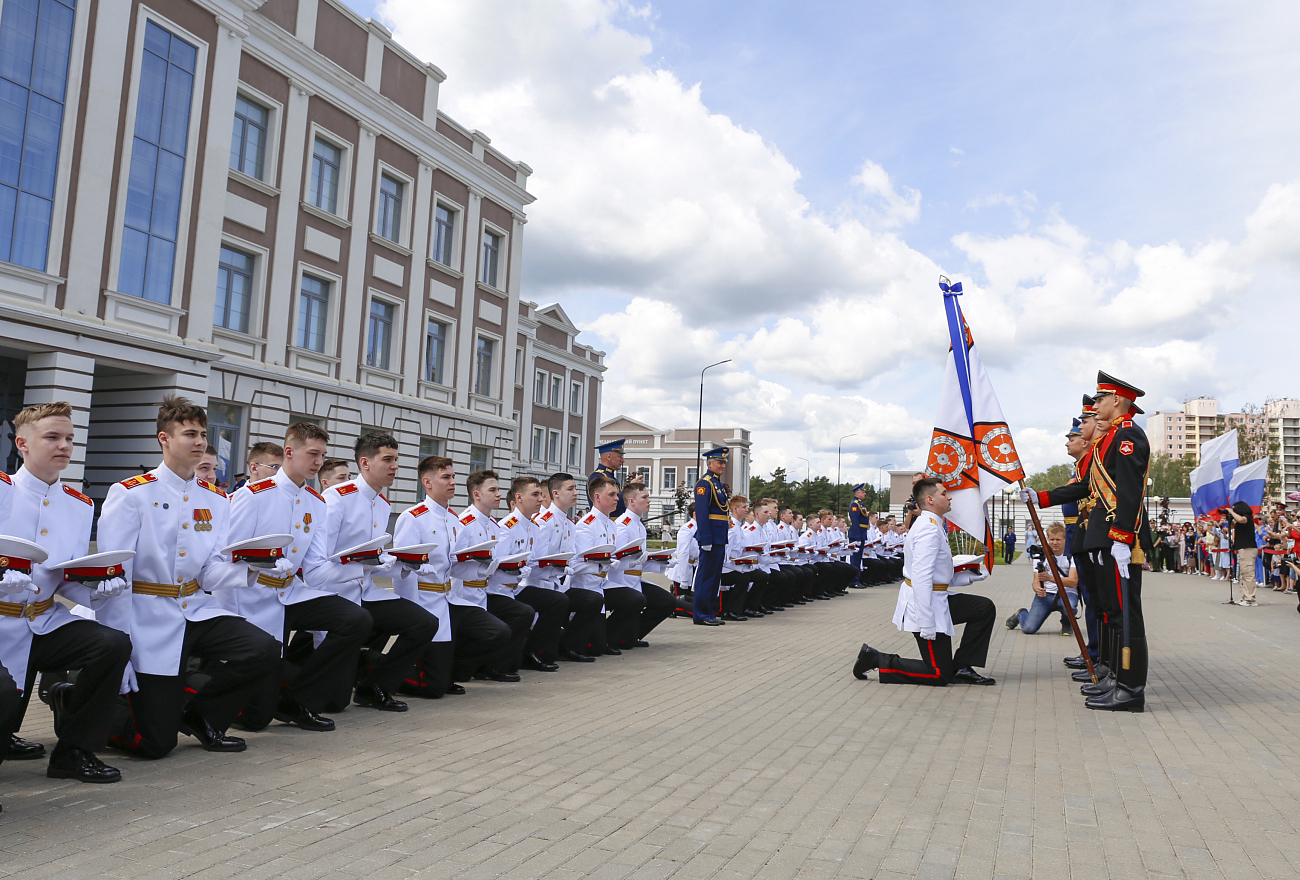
x,y
176,525
278,601
552,607
658,603
36,632
553,548
611,459
593,544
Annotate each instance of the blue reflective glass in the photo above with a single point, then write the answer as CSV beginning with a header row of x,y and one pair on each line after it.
x,y
183,55
149,104
31,230
158,276
176,111
167,195
8,199
157,40
139,189
18,40
53,45
135,252
13,120
41,149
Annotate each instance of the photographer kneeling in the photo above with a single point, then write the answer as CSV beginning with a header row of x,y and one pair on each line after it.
x,y
1031,619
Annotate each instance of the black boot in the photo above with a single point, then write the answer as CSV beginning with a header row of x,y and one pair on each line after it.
x,y
1082,675
1120,699
1103,686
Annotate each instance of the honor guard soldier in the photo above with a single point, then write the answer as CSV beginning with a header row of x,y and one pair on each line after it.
x,y
519,535
279,602
177,527
554,538
38,633
357,512
657,603
1116,528
611,459
712,522
929,610
429,585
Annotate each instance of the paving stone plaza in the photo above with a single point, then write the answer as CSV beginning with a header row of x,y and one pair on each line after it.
x,y
743,751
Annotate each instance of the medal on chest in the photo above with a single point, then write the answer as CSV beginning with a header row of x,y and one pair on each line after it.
x,y
202,519
306,522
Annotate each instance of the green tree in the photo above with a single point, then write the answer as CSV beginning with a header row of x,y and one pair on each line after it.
x,y
1170,477
815,494
1056,475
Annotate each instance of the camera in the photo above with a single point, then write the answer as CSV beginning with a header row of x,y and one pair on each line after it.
x,y
1039,555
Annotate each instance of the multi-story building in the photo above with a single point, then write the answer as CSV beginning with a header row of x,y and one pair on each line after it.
x,y
667,461
1179,434
258,205
1284,445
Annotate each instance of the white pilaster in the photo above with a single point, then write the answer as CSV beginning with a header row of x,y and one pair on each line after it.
x,y
435,80
283,282
61,375
466,339
378,36
351,319
416,286
305,29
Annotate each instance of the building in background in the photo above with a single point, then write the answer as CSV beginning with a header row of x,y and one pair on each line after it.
x,y
258,205
1284,444
666,460
1181,434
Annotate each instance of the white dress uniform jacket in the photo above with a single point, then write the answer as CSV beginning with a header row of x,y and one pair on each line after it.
x,y
927,561
354,513
57,517
627,528
687,555
554,534
752,535
475,528
515,536
592,530
428,523
177,529
275,506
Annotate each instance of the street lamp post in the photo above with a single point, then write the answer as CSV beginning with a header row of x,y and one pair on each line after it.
x,y
699,436
839,451
880,482
806,472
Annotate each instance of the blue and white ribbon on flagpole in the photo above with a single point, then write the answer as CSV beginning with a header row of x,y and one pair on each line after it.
x,y
957,337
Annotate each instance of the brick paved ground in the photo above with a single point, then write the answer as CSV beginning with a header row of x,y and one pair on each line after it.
x,y
743,751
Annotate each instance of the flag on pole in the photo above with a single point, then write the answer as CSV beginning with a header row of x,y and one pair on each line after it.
x,y
1210,481
1248,483
971,449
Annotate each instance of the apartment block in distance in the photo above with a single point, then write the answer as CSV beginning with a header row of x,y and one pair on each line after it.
x,y
258,205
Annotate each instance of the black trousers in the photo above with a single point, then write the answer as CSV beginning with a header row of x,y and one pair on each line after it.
x,y
732,599
432,675
519,617
479,637
623,625
938,662
659,605
149,718
100,653
11,702
327,673
585,629
414,628
552,609
1116,599
756,598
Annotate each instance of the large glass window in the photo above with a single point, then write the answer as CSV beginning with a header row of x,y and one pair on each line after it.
x,y
35,43
480,458
575,398
224,420
539,438
553,447
670,478
326,160
539,388
692,476
248,142
557,392
574,461
491,251
153,197
313,312
435,348
483,367
234,290
391,192
444,222
430,446
380,336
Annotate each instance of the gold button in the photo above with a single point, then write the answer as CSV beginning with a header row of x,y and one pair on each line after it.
x,y
185,604
185,498
45,531
297,525
297,501
38,591
182,552
282,594
294,550
185,525
180,580
46,503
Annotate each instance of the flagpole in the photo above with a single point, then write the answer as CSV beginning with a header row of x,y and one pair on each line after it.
x,y
1060,588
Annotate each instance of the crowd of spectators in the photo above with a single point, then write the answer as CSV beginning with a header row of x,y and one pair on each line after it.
x,y
1267,542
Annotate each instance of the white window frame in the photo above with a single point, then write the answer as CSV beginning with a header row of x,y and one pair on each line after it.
x,y
503,257
394,341
344,207
537,450
575,446
541,383
582,392
257,297
664,472
456,267
692,479
271,162
449,353
408,206
556,391
553,446
519,367
193,147
646,474
332,323
494,381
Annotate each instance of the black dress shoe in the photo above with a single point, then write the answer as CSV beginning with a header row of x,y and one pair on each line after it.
x,y
1120,699
537,664
640,643
455,690
1075,662
1103,686
1082,675
731,615
195,725
708,621
494,675
292,712
868,659
372,696
575,657
22,750
79,764
612,651
968,675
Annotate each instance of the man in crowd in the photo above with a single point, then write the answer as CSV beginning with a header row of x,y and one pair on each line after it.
x,y
712,522
1243,544
333,472
1046,598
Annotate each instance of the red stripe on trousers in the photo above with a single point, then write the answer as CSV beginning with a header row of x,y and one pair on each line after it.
x,y
933,665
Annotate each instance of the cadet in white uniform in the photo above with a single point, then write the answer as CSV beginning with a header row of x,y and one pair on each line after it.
x,y
927,608
657,603
36,632
593,530
519,532
356,512
555,534
489,640
177,526
280,602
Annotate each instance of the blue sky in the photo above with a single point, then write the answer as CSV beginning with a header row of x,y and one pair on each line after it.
x,y
1089,167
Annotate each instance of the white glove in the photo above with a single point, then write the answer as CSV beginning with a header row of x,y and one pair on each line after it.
x,y
110,588
928,634
706,547
426,570
485,569
285,567
387,562
1123,555
128,680
14,582
963,579
1028,496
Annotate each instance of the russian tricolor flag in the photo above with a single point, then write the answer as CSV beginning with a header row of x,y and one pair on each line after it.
x,y
1211,480
1248,484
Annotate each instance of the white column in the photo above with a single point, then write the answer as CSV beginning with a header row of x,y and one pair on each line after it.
x,y
375,52
91,223
416,284
211,205
283,282
61,375
511,323
435,79
351,320
466,340
305,29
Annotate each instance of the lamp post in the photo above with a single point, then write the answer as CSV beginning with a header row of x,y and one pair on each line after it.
x,y
879,481
839,451
806,472
699,436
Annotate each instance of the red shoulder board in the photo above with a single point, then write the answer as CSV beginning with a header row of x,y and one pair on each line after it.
x,y
318,495
419,510
624,519
546,516
212,487
383,499
139,480
511,521
5,478
261,486
467,518
589,519
1127,423
346,488
1126,447
77,495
